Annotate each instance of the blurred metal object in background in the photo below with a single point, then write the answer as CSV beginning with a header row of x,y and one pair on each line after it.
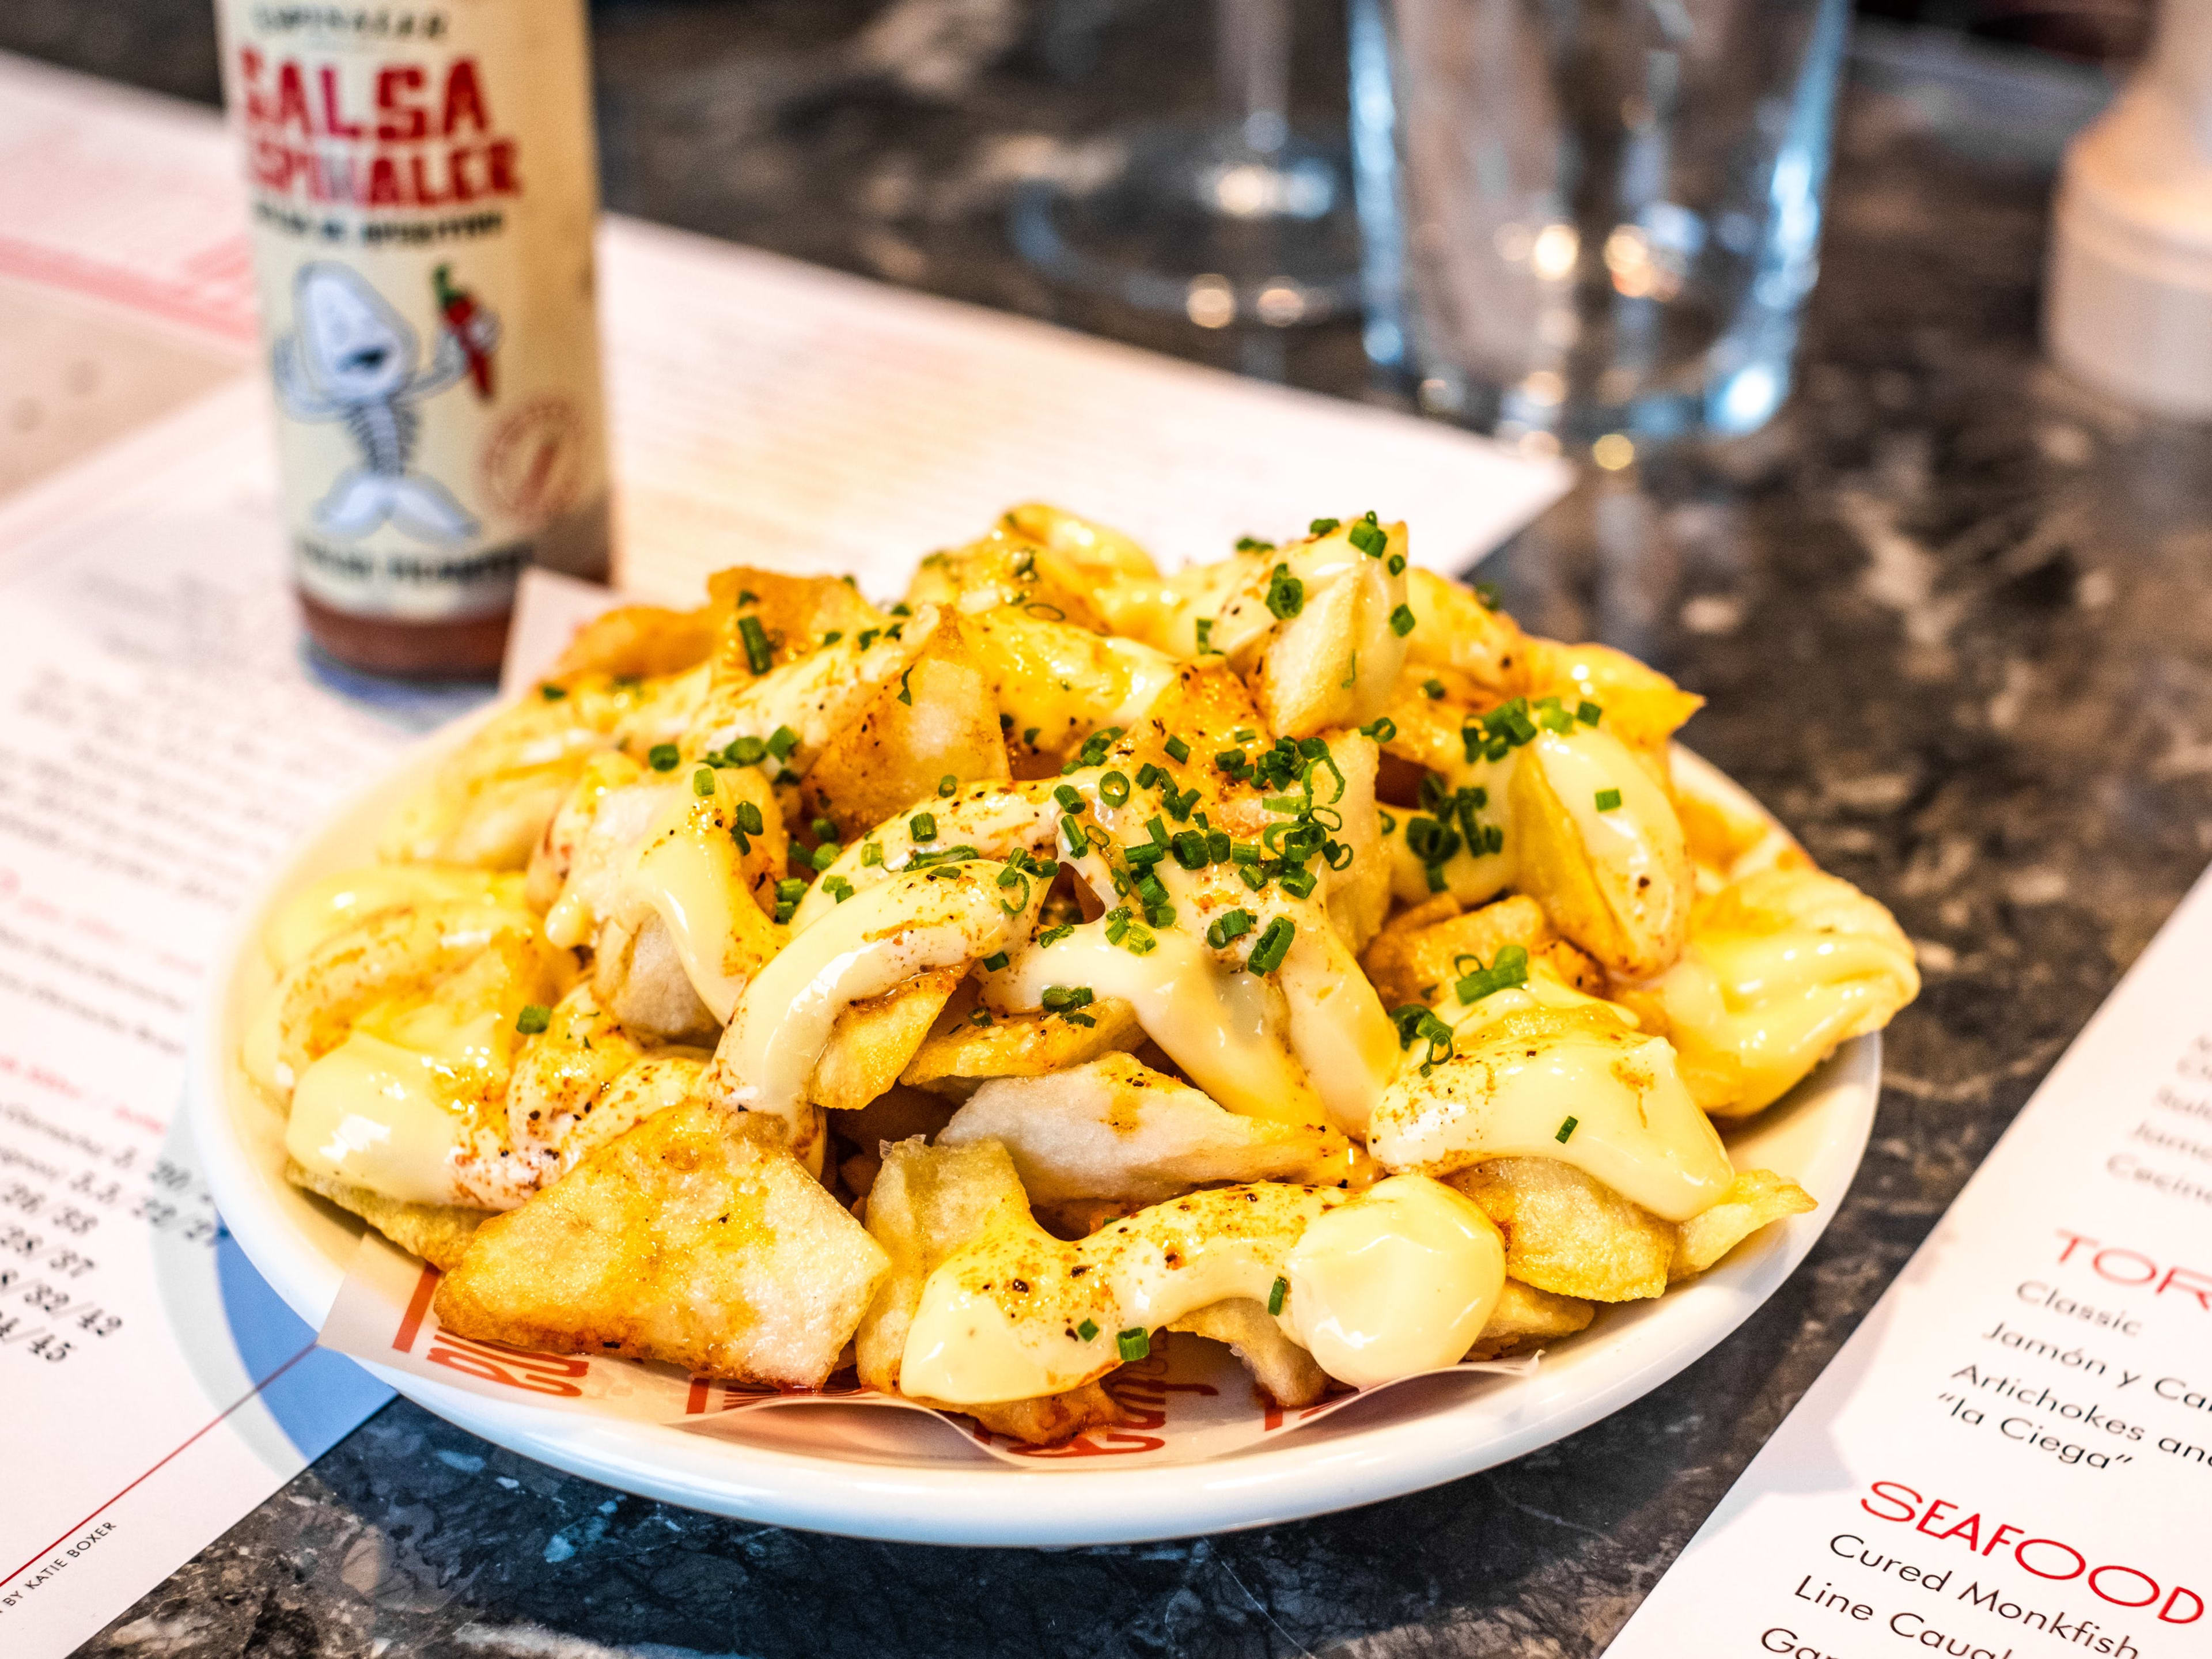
x,y
1235,221
1591,223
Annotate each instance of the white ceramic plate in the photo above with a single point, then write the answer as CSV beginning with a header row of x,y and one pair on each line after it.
x,y
799,1469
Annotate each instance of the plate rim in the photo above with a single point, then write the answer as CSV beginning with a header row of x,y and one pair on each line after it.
x,y
1296,1478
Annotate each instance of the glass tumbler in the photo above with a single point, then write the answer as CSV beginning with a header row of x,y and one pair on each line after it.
x,y
1591,222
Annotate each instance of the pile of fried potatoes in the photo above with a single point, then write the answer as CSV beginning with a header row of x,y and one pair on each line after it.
x,y
1290,950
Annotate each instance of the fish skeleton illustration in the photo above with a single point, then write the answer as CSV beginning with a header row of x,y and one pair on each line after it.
x,y
352,358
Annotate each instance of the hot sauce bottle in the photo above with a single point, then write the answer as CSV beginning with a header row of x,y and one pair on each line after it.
x,y
423,193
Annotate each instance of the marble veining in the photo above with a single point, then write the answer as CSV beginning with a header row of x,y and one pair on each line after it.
x,y
1953,616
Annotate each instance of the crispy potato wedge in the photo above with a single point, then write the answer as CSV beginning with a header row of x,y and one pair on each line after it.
x,y
1616,880
490,800
1113,1128
926,1203
1278,1365
1569,1233
1050,1417
640,640
793,612
1416,957
439,1233
684,1240
1454,630
1755,1197
956,1055
1526,1317
1642,707
873,1040
937,722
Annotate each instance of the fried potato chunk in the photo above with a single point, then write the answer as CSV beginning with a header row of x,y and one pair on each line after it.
x,y
958,1055
1781,967
491,798
1050,1419
1569,1233
1755,1197
1615,879
1642,707
926,1203
1419,955
640,640
873,1040
937,722
684,1240
1453,630
793,613
1526,1317
1114,1128
1278,1364
439,1233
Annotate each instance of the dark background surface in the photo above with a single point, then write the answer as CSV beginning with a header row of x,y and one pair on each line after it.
x,y
1952,614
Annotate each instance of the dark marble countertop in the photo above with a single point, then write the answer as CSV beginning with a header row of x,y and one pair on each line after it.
x,y
1954,617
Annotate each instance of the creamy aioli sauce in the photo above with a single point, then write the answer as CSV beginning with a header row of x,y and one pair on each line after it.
x,y
1006,1317
942,917
1512,1083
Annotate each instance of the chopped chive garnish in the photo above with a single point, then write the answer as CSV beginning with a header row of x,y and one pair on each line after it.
x,y
947,787
1077,843
745,752
748,818
1274,944
1253,544
922,826
1608,800
1508,969
838,888
824,855
534,1018
1229,924
1320,527
1367,536
833,636
1286,594
703,780
663,756
1205,629
1053,935
1382,728
1433,688
935,856
1134,1343
1488,593
1401,621
552,692
1397,566
868,637
1059,998
906,691
872,852
758,657
1566,1130
995,960
1230,760
1178,751
1087,1330
1114,788
1032,734
1069,797
1276,1292
781,741
1587,712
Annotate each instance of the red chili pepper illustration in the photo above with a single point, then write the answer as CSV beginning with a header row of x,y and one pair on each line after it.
x,y
459,306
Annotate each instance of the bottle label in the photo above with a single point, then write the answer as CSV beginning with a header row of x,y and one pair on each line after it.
x,y
422,181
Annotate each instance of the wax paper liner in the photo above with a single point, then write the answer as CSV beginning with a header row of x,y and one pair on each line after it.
x,y
1187,1401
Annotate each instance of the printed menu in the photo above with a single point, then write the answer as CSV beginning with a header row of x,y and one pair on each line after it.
x,y
2012,1457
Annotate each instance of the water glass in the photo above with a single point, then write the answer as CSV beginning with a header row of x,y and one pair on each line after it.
x,y
1591,222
